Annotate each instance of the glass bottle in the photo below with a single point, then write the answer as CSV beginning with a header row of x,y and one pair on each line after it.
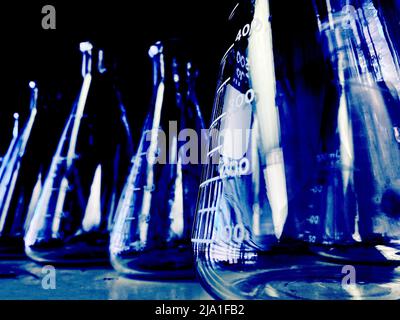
x,y
151,234
300,194
14,193
71,216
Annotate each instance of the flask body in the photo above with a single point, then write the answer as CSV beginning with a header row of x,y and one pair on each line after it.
x,y
153,222
17,177
302,175
71,219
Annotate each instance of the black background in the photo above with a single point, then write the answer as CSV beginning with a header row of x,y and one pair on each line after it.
x,y
124,29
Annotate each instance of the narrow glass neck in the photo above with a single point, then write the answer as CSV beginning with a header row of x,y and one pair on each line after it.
x,y
345,28
86,49
92,60
171,68
173,97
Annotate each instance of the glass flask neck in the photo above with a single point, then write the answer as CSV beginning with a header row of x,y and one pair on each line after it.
x,y
347,28
157,56
90,58
341,49
191,78
86,49
171,69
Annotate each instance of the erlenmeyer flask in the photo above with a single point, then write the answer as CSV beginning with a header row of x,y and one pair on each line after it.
x,y
14,195
388,14
301,188
359,193
151,234
69,223
376,34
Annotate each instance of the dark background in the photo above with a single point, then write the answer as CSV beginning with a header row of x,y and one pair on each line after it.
x,y
124,29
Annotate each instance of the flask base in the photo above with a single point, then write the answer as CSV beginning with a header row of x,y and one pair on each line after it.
x,y
282,276
83,249
12,249
161,264
323,282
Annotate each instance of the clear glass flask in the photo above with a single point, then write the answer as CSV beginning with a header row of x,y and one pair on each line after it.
x,y
389,15
300,195
14,185
151,233
70,214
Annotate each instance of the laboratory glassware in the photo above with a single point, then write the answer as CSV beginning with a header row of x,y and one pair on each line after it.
x,y
300,194
14,197
70,219
151,233
388,12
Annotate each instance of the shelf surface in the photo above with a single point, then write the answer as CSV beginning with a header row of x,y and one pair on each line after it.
x,y
24,279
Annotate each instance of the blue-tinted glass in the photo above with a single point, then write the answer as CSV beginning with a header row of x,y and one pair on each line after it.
x,y
151,235
302,184
71,219
15,182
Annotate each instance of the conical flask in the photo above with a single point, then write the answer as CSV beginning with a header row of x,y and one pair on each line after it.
x,y
14,195
300,194
151,234
69,222
388,12
356,175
